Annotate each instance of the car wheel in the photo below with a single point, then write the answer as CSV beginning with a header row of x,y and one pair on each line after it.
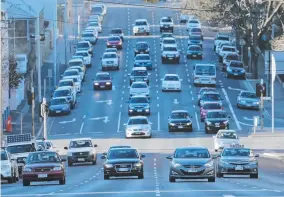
x,y
254,176
206,130
62,181
148,33
190,129
201,57
141,176
106,177
177,61
117,68
211,179
10,180
70,163
170,130
94,162
171,179
110,88
163,61
227,75
188,56
26,183
219,175
160,30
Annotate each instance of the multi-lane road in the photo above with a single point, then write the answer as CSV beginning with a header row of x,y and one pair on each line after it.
x,y
101,114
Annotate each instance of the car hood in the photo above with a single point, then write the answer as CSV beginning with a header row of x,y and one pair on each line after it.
x,y
179,120
238,159
194,161
171,83
192,51
142,61
77,150
216,120
139,105
109,59
171,52
119,161
140,26
249,99
113,42
138,126
139,90
54,107
43,165
227,141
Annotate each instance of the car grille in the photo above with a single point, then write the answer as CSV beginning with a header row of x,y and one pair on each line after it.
x,y
126,168
139,107
127,165
137,129
192,166
180,124
81,154
20,159
42,169
192,173
233,170
239,163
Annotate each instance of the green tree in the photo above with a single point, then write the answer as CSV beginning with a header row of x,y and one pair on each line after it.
x,y
14,77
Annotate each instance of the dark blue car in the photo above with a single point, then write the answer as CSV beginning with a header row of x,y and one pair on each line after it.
x,y
236,69
143,60
59,106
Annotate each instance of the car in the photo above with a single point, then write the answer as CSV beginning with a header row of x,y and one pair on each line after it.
x,y
221,38
103,6
115,42
138,126
116,147
183,18
171,82
103,80
196,31
193,23
167,24
195,40
194,51
141,26
77,82
227,58
87,57
179,120
110,60
208,106
139,88
58,106
165,35
85,45
112,50
96,25
235,68
226,49
170,53
117,32
80,70
77,61
191,163
141,48
143,60
248,99
225,138
210,97
41,144
204,74
91,20
44,166
201,91
89,36
96,17
221,44
67,83
9,167
66,92
139,105
71,72
167,41
216,120
237,160
97,10
50,146
81,150
139,74
123,162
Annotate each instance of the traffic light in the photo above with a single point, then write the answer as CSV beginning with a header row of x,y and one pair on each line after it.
x,y
260,88
43,109
29,97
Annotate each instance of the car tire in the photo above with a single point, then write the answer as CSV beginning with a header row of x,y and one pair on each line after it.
x,y
103,69
219,174
201,57
106,177
206,130
211,179
227,75
163,61
161,30
94,162
62,181
26,182
177,61
254,176
117,68
110,88
172,180
141,176
148,33
188,56
11,180
190,129
70,163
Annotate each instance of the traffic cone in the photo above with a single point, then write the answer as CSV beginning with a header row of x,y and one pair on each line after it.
x,y
9,124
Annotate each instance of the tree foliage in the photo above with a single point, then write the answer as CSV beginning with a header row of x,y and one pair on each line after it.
x,y
14,77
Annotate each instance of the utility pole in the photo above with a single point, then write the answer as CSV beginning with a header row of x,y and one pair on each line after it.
x,y
44,111
38,59
269,71
65,30
55,67
3,20
261,105
33,102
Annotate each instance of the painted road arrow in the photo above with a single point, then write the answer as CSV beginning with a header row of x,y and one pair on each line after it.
x,y
230,88
176,101
68,121
108,102
105,119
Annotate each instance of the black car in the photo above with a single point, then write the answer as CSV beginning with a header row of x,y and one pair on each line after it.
x,y
115,147
123,162
59,106
192,163
141,48
102,81
237,161
139,105
179,120
117,32
216,120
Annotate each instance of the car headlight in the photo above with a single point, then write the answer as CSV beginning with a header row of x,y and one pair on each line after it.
x,y
164,55
57,169
96,84
108,165
108,83
69,154
147,110
176,165
208,123
27,169
242,71
172,124
209,164
137,165
253,163
256,103
222,162
188,123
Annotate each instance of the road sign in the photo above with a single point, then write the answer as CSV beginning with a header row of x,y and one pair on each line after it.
x,y
266,98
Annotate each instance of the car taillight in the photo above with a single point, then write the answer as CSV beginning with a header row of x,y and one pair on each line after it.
x,y
222,108
196,77
214,78
108,43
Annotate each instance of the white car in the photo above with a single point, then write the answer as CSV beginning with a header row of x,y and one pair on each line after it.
x,y
166,24
96,17
92,37
96,25
112,50
171,82
138,126
80,70
87,57
77,82
9,167
139,88
225,138
71,72
68,93
81,150
77,61
141,26
166,41
193,23
67,83
221,38
110,60
221,44
225,50
170,52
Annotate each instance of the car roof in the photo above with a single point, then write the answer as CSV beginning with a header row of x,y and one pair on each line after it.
x,y
117,28
142,20
139,82
83,41
211,102
194,45
169,38
192,147
80,51
170,45
120,146
139,96
110,49
179,111
239,61
113,37
140,68
78,139
174,75
246,91
102,73
142,55
141,42
74,67
66,80
138,117
106,53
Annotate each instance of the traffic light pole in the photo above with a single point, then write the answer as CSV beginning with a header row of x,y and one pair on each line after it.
x,y
44,115
261,106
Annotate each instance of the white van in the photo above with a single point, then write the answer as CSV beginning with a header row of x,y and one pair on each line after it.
x,y
22,63
204,74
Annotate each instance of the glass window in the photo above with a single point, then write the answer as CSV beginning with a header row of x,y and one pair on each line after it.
x,y
229,49
79,63
122,153
248,95
43,157
171,41
116,31
210,97
237,64
109,55
137,121
171,78
179,115
139,85
139,73
61,93
103,77
142,57
84,54
193,21
114,39
216,115
237,152
139,100
4,155
223,38
65,83
211,106
195,38
138,23
194,48
205,70
170,49
58,101
80,144
20,148
191,153
166,20
227,135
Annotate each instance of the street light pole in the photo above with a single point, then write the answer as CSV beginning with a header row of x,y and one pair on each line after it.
x,y
65,31
1,78
38,59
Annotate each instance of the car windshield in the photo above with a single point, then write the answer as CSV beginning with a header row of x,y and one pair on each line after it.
x,y
166,20
203,90
227,135
20,59
59,93
122,153
170,49
114,39
80,144
142,57
179,115
237,152
171,78
114,147
232,57
216,114
138,23
194,48
141,45
139,85
79,63
116,31
93,24
191,153
195,38
169,41
42,157
70,73
223,38
248,95
210,97
4,155
111,50
237,64
75,79
84,54
20,148
65,83
195,30
103,77
139,73
97,10
193,21
231,49
82,45
139,100
109,55
58,102
211,106
205,70
135,121
167,35
88,35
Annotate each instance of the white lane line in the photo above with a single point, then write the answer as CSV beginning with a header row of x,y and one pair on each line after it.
x,y
158,105
84,116
118,123
228,196
120,105
196,117
231,109
81,129
158,121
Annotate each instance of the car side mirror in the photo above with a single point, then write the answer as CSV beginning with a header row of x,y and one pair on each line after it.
x,y
66,148
103,157
190,116
63,160
229,117
169,157
104,153
95,145
142,156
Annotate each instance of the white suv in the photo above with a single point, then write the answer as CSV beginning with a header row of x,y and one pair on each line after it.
x,y
170,53
87,57
141,26
138,126
166,24
110,60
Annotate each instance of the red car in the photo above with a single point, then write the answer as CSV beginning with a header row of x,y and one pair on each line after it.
x,y
114,42
209,106
44,166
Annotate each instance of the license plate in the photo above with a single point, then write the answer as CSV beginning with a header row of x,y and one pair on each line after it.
x,y
248,105
141,52
180,127
139,80
239,168
42,175
217,125
192,170
235,74
123,169
81,159
58,111
102,86
194,55
170,58
139,110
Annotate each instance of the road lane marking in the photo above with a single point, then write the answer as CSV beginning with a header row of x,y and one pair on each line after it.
x,y
118,123
81,129
197,123
231,109
158,121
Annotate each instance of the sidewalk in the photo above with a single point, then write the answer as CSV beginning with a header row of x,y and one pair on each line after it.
x,y
24,108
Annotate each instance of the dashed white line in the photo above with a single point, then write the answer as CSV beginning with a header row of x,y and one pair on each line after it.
x,y
197,123
158,121
81,129
118,123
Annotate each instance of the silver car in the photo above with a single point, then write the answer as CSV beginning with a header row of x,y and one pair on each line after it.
x,y
247,99
225,138
138,126
139,88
